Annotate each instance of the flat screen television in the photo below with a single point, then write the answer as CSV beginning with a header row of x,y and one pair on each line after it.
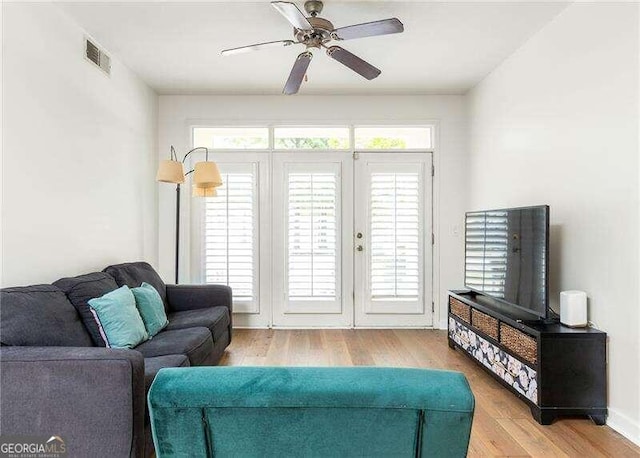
x,y
507,257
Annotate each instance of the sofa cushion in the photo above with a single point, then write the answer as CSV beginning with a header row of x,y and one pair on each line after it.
x,y
40,315
82,288
154,364
195,343
214,318
133,274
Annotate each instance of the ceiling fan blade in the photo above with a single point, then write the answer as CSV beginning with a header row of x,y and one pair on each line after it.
x,y
257,47
297,73
353,62
368,29
293,14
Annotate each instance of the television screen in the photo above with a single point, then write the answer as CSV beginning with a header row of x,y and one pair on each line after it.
x,y
506,256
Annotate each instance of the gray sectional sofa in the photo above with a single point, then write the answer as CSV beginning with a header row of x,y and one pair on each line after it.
x,y
58,379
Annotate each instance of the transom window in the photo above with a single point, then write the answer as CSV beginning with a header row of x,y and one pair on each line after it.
x,y
311,137
390,138
231,137
337,138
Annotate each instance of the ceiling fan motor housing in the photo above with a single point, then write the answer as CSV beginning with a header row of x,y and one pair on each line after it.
x,y
320,34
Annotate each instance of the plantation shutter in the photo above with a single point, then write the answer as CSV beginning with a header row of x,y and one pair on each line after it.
x,y
312,235
230,221
395,236
486,240
310,246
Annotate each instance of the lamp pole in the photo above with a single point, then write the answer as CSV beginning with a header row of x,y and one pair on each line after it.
x,y
177,228
173,153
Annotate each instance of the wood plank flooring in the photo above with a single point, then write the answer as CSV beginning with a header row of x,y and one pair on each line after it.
x,y
502,425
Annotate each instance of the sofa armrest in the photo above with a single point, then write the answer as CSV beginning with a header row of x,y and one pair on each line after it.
x,y
190,297
93,398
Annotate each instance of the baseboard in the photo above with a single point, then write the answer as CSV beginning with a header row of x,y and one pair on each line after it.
x,y
624,425
250,327
443,324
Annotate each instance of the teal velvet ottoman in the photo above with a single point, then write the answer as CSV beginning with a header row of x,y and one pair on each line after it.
x,y
310,412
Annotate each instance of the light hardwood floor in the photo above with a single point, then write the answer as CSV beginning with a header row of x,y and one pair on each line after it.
x,y
502,425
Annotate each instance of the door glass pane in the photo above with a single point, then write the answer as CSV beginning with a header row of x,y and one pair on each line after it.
x,y
390,138
312,235
311,137
230,235
395,233
231,137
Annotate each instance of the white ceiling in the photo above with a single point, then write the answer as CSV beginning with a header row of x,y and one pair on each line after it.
x,y
175,47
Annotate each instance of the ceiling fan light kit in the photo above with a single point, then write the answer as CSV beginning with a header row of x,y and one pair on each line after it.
x,y
317,32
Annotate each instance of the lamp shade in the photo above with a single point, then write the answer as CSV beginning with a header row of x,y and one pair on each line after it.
x,y
170,172
204,192
206,175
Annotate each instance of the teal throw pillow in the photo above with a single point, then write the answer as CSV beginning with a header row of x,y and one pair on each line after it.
x,y
118,318
151,308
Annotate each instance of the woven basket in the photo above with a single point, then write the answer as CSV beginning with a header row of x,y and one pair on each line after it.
x,y
460,309
485,323
519,343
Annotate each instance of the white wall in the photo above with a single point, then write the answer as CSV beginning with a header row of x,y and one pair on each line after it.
x,y
557,123
177,113
78,153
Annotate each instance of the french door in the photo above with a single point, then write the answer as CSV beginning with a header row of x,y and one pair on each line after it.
x,y
392,236
351,239
312,239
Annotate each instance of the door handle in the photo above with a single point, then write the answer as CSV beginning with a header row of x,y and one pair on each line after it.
x,y
359,235
359,248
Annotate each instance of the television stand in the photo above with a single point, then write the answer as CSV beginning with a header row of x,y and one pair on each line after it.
x,y
555,369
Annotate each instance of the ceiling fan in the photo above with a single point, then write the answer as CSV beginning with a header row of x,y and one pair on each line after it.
x,y
317,32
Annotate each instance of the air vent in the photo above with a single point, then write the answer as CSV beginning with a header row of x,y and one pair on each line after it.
x,y
97,56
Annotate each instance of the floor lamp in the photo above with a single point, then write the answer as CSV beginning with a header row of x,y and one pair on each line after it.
x,y
206,178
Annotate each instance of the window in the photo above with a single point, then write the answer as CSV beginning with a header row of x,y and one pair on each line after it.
x,y
311,138
230,229
231,137
395,231
312,236
314,138
390,138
